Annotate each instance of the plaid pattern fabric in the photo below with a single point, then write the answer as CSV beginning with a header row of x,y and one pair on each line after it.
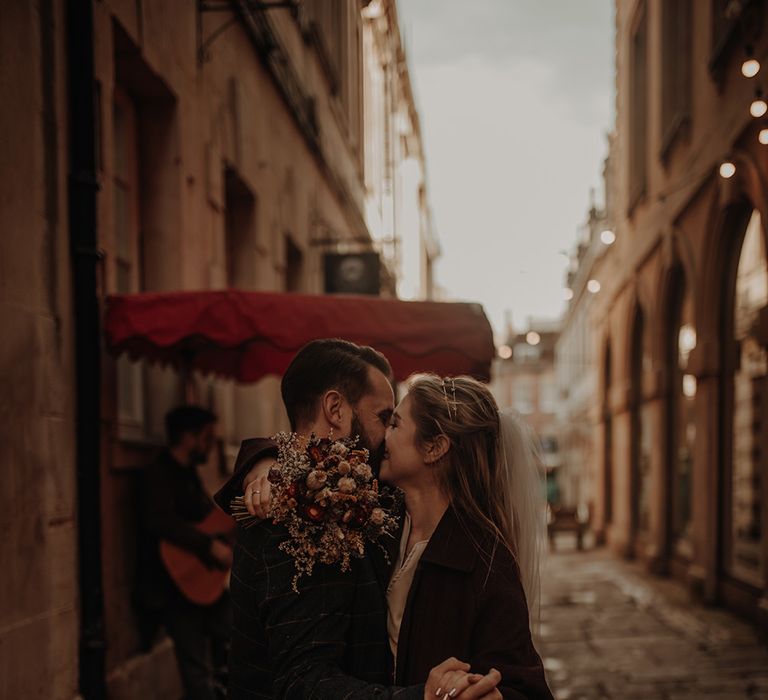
x,y
329,641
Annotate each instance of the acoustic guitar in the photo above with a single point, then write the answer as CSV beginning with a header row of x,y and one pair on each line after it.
x,y
198,583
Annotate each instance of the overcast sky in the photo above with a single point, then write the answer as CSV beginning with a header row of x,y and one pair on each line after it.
x,y
516,99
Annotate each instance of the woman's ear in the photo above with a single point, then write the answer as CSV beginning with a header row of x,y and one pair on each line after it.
x,y
437,449
335,410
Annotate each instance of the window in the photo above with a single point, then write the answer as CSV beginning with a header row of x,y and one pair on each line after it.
x,y
676,71
294,266
240,231
127,247
523,395
683,428
523,352
750,411
638,109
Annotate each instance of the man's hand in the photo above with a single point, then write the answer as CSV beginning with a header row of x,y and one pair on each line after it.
x,y
451,679
257,489
221,553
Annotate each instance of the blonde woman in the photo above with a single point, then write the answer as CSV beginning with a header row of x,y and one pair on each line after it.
x,y
466,574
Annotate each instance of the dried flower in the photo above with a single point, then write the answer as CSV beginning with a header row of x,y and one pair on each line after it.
x,y
316,480
347,485
363,471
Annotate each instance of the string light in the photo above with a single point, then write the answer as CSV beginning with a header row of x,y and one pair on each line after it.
x,y
608,237
751,66
594,286
533,338
567,294
505,352
727,170
759,106
763,137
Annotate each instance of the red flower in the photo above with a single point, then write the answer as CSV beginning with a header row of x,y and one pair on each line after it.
x,y
314,512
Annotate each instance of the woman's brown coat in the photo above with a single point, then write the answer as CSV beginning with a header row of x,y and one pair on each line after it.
x,y
467,601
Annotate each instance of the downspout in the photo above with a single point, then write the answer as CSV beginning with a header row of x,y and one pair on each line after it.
x,y
83,186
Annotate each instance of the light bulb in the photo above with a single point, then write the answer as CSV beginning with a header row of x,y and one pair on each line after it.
x,y
758,108
750,68
593,286
727,170
608,237
763,137
533,338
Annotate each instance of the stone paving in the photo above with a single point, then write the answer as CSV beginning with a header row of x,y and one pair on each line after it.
x,y
608,630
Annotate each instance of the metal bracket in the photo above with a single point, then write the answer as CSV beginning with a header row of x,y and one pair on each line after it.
x,y
227,6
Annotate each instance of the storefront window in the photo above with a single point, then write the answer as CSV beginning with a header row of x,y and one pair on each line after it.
x,y
750,409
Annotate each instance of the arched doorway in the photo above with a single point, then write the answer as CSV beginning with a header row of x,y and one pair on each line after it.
x,y
745,418
681,425
641,435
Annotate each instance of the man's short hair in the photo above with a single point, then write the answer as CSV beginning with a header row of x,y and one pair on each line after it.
x,y
186,419
322,365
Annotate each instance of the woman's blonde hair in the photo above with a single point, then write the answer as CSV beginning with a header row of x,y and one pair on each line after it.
x,y
491,472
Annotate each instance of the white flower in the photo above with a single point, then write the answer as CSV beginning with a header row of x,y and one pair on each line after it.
x,y
363,471
316,480
339,449
377,516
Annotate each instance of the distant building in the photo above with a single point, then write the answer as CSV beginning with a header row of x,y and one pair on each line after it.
x,y
579,406
524,379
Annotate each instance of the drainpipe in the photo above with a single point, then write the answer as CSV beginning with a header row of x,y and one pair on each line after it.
x,y
83,186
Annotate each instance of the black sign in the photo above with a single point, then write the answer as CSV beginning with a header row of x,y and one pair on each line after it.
x,y
352,273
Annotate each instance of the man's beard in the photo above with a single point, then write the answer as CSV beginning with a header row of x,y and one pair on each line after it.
x,y
375,456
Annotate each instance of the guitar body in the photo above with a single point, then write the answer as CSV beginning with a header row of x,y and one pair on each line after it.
x,y
198,583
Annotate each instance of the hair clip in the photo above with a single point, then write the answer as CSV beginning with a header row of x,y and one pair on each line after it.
x,y
448,402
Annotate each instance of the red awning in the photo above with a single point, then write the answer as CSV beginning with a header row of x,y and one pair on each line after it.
x,y
248,335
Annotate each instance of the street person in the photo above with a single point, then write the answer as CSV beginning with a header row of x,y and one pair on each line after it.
x,y
184,554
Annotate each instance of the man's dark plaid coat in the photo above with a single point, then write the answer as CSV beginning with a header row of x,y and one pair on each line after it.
x,y
329,641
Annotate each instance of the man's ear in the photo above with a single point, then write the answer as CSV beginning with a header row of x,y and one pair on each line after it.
x,y
437,449
334,409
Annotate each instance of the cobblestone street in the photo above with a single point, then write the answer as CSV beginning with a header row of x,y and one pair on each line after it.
x,y
610,631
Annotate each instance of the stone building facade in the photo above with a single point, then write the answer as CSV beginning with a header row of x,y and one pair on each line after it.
x,y
230,145
682,340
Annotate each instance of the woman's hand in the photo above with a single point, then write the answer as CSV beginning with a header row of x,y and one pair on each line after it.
x,y
452,679
257,489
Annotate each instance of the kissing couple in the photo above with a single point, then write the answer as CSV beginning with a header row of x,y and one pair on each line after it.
x,y
444,612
